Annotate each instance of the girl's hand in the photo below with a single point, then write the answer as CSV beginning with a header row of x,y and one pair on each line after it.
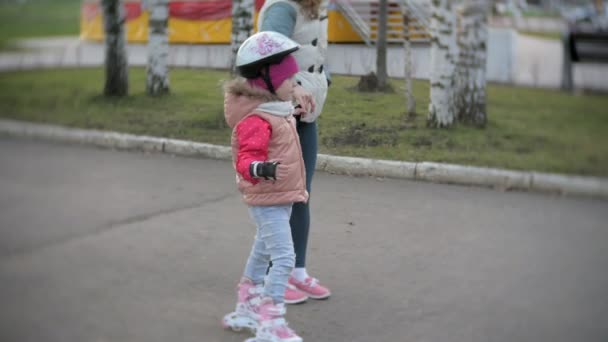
x,y
304,99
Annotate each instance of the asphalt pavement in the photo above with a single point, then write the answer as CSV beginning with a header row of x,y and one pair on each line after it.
x,y
100,245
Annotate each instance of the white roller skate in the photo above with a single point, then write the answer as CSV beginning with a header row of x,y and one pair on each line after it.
x,y
272,326
246,313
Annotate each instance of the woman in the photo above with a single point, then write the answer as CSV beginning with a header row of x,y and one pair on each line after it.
x,y
305,22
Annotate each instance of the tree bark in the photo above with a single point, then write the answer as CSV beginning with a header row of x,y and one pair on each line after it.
x,y
480,50
474,42
464,76
567,80
381,45
157,82
441,111
407,53
116,65
242,26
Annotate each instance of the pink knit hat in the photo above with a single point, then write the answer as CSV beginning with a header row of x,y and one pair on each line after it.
x,y
278,73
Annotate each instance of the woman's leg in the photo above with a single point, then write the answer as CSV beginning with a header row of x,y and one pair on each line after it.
x,y
300,215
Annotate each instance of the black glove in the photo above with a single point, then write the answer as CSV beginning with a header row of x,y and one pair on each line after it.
x,y
266,170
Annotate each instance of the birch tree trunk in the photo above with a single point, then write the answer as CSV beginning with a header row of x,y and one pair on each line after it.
x,y
456,52
242,26
407,55
474,41
381,44
157,82
567,80
480,52
464,77
116,65
441,111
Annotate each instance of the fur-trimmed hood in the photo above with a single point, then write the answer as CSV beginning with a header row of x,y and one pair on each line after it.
x,y
241,99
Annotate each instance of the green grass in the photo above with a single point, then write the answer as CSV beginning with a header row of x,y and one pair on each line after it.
x,y
543,35
541,14
528,129
38,18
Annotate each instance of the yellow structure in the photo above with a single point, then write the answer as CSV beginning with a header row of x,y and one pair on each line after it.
x,y
204,25
198,22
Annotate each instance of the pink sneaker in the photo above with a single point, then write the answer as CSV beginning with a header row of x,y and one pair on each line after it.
x,y
311,288
272,326
294,296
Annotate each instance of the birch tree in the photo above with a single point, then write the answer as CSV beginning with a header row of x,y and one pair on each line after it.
x,y
478,112
381,44
474,40
407,56
157,82
463,76
443,64
116,65
242,26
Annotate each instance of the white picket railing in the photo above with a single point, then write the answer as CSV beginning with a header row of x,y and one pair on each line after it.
x,y
363,18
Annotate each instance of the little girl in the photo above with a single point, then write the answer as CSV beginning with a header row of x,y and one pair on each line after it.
x,y
270,175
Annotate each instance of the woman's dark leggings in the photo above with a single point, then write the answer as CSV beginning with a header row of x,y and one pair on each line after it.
x,y
300,214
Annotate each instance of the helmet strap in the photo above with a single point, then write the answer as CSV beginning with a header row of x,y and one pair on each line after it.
x,y
266,78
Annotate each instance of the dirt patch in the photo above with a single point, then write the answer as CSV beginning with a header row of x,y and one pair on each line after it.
x,y
422,142
369,84
361,135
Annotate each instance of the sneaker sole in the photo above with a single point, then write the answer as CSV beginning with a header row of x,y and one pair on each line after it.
x,y
312,296
297,301
318,297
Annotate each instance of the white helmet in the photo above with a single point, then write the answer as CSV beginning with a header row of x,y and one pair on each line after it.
x,y
262,48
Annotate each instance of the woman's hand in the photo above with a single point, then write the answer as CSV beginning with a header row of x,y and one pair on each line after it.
x,y
303,98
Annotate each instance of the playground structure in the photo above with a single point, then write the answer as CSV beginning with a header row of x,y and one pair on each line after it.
x,y
210,22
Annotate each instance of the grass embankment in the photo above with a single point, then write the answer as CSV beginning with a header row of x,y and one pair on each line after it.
x,y
37,18
542,35
528,129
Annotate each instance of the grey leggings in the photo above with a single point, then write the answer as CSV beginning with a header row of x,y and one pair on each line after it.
x,y
272,243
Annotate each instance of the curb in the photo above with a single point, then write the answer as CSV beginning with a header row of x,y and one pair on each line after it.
x,y
425,171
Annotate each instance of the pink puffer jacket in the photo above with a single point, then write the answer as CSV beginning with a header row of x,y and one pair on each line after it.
x,y
241,101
